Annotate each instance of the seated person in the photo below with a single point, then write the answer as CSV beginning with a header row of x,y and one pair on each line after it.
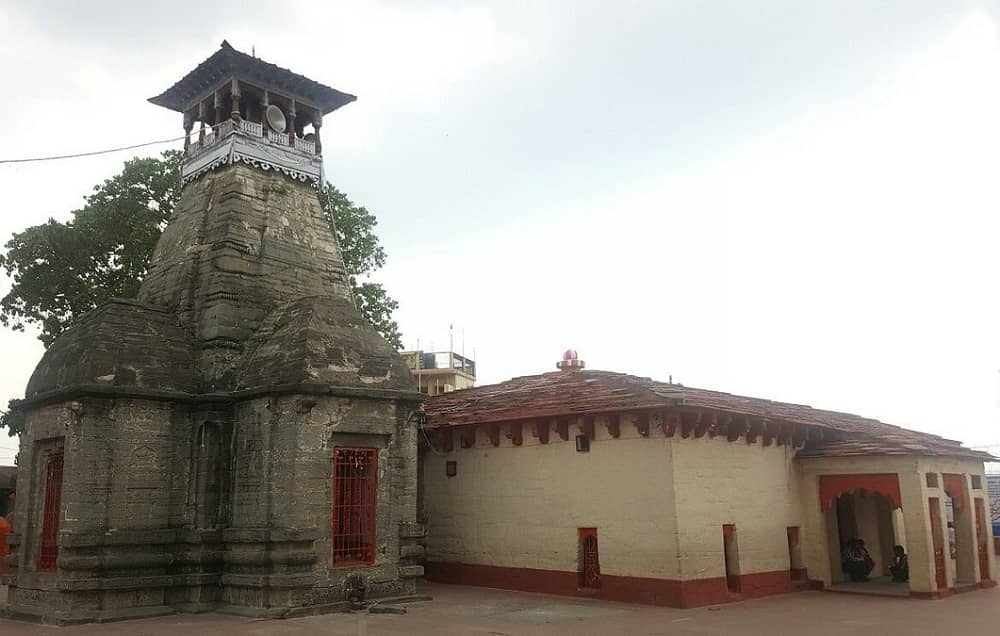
x,y
858,563
899,567
845,555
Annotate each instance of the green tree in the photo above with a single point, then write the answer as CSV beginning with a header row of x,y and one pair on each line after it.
x,y
363,254
13,418
62,270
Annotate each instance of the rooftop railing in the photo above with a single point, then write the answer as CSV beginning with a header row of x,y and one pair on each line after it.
x,y
251,129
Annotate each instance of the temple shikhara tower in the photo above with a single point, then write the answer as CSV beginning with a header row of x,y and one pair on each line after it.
x,y
237,437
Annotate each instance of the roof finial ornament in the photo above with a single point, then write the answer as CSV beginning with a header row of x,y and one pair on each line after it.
x,y
570,361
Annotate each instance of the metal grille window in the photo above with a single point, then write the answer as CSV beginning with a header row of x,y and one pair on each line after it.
x,y
589,574
355,480
49,550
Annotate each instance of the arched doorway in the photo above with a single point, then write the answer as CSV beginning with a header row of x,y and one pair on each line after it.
x,y
875,519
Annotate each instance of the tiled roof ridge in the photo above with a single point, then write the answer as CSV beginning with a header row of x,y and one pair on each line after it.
x,y
562,393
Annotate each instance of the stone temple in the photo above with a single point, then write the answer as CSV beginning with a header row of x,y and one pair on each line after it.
x,y
237,438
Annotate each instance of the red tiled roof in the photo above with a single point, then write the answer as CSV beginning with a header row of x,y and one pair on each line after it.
x,y
590,392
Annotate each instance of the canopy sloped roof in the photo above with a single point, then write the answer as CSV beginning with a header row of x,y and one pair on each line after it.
x,y
591,392
227,62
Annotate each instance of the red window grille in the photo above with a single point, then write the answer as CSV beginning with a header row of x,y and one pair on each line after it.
x,y
589,575
49,550
355,478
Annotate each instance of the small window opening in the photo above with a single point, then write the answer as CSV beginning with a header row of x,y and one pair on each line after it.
x,y
582,444
451,468
795,554
932,480
732,557
977,482
589,570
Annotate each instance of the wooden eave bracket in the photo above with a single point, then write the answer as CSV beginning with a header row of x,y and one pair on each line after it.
x,y
540,430
562,427
689,421
467,437
706,422
515,433
614,424
445,439
493,431
671,422
642,424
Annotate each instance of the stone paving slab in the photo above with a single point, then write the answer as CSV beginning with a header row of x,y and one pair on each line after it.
x,y
479,611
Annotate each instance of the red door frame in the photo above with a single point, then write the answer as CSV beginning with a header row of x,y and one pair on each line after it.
x,y
982,539
48,551
729,545
937,536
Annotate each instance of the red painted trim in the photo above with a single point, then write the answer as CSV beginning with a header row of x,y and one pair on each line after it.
x,y
628,589
952,591
833,486
954,485
931,596
524,579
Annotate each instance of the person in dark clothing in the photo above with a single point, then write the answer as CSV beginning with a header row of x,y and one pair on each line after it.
x,y
845,555
857,563
899,568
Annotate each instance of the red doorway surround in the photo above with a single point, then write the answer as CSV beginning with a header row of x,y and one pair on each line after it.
x,y
833,486
954,485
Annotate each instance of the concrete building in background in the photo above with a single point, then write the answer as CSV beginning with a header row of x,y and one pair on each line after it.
x,y
598,483
994,488
237,438
438,372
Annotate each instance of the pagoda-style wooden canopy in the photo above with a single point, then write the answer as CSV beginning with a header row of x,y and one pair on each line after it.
x,y
227,63
251,111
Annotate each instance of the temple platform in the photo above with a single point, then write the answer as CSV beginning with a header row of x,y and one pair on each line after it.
x,y
877,586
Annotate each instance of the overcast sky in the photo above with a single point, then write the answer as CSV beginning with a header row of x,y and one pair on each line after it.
x,y
792,200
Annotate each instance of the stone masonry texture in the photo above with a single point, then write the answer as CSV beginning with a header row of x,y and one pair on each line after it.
x,y
198,425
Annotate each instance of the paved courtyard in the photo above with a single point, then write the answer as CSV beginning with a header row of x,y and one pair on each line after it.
x,y
469,610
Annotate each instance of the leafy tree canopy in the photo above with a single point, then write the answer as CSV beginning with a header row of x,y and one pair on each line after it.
x,y
13,418
363,254
62,270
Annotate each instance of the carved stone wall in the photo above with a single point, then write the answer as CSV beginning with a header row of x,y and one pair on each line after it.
x,y
199,423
